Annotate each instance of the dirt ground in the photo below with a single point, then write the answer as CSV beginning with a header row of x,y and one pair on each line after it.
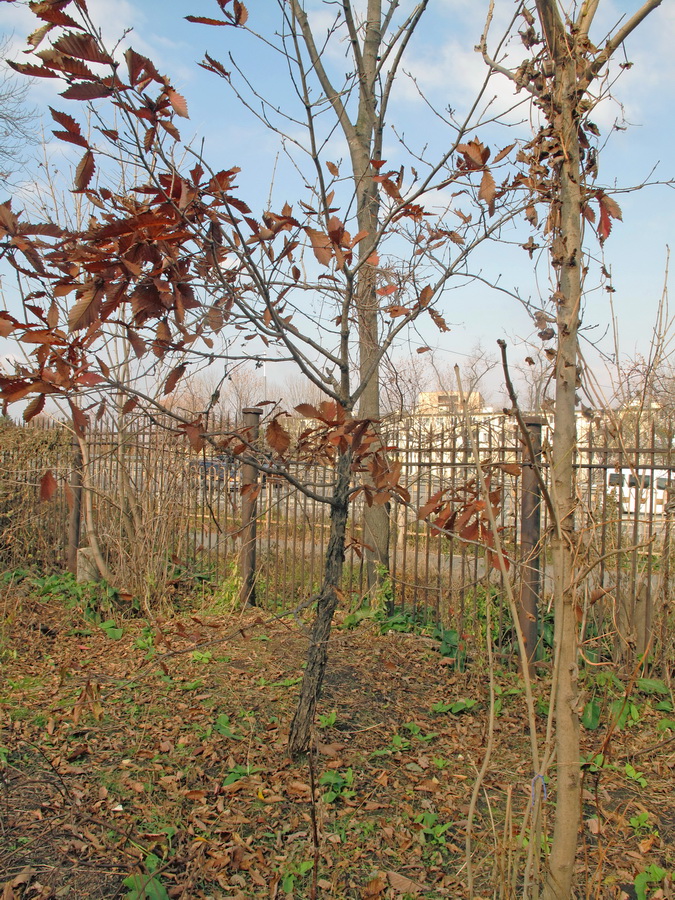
x,y
147,760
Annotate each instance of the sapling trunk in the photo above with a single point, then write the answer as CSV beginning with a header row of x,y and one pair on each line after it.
x,y
317,656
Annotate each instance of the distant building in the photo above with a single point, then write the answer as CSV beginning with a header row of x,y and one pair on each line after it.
x,y
446,403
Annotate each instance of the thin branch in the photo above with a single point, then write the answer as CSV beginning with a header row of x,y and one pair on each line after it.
x,y
615,42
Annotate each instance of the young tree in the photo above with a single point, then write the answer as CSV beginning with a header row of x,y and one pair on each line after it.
x,y
564,79
179,264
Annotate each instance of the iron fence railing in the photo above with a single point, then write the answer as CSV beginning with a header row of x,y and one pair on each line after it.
x,y
157,509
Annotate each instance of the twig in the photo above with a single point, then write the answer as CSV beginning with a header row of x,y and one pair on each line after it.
x,y
521,648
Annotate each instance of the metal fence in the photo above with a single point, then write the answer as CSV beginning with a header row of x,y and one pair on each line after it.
x,y
161,514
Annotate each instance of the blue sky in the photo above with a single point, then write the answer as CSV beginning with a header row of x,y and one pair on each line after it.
x,y
445,66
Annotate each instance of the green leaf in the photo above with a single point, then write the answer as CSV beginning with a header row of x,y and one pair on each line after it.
x,y
651,686
461,706
666,724
223,727
619,710
287,682
144,888
653,874
590,718
111,630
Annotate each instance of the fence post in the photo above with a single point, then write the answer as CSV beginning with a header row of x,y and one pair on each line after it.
x,y
75,519
249,503
530,535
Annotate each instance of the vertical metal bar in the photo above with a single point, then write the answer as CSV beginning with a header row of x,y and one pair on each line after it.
x,y
75,521
250,484
530,535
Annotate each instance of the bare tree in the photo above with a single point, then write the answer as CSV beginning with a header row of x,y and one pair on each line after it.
x,y
296,390
535,380
17,121
474,367
403,378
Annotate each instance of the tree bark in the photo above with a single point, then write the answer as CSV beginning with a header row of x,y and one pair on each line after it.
x,y
566,212
364,145
317,656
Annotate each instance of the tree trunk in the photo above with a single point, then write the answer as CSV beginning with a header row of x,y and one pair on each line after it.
x,y
376,523
566,257
366,144
317,656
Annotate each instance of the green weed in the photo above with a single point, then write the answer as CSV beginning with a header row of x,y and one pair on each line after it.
x,y
459,706
635,776
339,785
238,772
327,720
641,826
146,887
653,874
293,872
430,830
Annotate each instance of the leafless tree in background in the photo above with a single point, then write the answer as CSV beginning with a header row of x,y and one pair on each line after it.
x,y
17,121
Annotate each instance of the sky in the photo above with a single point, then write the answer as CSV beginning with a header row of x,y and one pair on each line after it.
x,y
444,66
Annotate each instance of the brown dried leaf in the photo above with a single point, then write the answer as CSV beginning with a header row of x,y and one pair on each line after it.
x,y
405,885
84,172
277,437
82,46
487,190
88,91
7,324
308,411
66,121
205,20
80,420
502,153
86,310
34,408
321,245
425,296
31,70
194,436
174,377
611,206
374,889
240,13
48,485
178,103
510,468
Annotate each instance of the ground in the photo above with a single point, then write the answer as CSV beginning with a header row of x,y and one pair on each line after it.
x,y
147,759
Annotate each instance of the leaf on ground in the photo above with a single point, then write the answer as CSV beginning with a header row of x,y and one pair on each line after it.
x,y
332,750
374,889
405,885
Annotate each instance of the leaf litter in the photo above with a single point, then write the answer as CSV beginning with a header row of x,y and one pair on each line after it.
x,y
153,765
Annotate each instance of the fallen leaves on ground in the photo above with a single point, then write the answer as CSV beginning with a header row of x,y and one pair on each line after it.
x,y
152,764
